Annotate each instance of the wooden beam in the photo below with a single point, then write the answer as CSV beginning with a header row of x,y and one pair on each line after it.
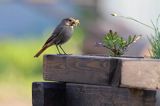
x,y
48,94
80,69
70,94
94,95
141,73
127,72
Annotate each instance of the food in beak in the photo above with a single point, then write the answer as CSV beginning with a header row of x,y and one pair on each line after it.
x,y
77,22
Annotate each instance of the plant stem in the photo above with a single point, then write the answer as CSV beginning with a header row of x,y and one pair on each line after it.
x,y
130,18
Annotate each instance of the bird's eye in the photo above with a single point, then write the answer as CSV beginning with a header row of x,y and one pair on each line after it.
x,y
69,20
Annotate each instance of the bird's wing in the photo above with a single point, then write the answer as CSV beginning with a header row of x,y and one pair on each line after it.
x,y
57,33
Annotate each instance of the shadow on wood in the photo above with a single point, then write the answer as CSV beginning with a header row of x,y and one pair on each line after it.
x,y
48,94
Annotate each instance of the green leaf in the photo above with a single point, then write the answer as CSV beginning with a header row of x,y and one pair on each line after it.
x,y
116,44
129,39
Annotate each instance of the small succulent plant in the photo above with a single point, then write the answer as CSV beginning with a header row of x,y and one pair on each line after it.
x,y
116,44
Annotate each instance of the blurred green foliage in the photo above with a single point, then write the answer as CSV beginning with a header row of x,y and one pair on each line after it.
x,y
16,58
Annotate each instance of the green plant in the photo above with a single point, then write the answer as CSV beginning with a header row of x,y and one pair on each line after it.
x,y
117,45
154,39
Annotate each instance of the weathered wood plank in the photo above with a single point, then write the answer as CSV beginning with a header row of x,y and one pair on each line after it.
x,y
141,73
81,69
70,94
127,72
93,95
48,94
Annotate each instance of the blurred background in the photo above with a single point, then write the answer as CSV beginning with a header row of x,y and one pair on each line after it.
x,y
26,24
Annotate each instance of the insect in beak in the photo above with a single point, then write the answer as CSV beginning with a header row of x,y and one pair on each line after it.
x,y
77,22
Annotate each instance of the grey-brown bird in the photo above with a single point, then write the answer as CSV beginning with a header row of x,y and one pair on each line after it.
x,y
60,35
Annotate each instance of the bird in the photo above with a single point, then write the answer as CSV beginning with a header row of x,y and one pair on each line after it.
x,y
60,35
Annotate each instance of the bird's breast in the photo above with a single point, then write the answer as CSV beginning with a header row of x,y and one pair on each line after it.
x,y
66,34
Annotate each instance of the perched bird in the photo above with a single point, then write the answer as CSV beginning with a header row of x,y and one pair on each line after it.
x,y
60,35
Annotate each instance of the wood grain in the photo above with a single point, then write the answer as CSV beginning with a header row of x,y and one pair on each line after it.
x,y
94,95
127,72
80,69
71,94
140,73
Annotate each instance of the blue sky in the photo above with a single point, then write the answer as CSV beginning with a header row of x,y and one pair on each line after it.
x,y
20,18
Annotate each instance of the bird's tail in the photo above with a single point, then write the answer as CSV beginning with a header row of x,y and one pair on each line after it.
x,y
41,51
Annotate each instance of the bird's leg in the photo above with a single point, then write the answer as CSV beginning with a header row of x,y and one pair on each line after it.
x,y
62,49
58,49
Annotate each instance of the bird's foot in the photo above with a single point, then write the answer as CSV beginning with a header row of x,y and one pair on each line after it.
x,y
62,54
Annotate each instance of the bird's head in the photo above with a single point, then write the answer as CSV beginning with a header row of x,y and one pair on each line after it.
x,y
71,21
